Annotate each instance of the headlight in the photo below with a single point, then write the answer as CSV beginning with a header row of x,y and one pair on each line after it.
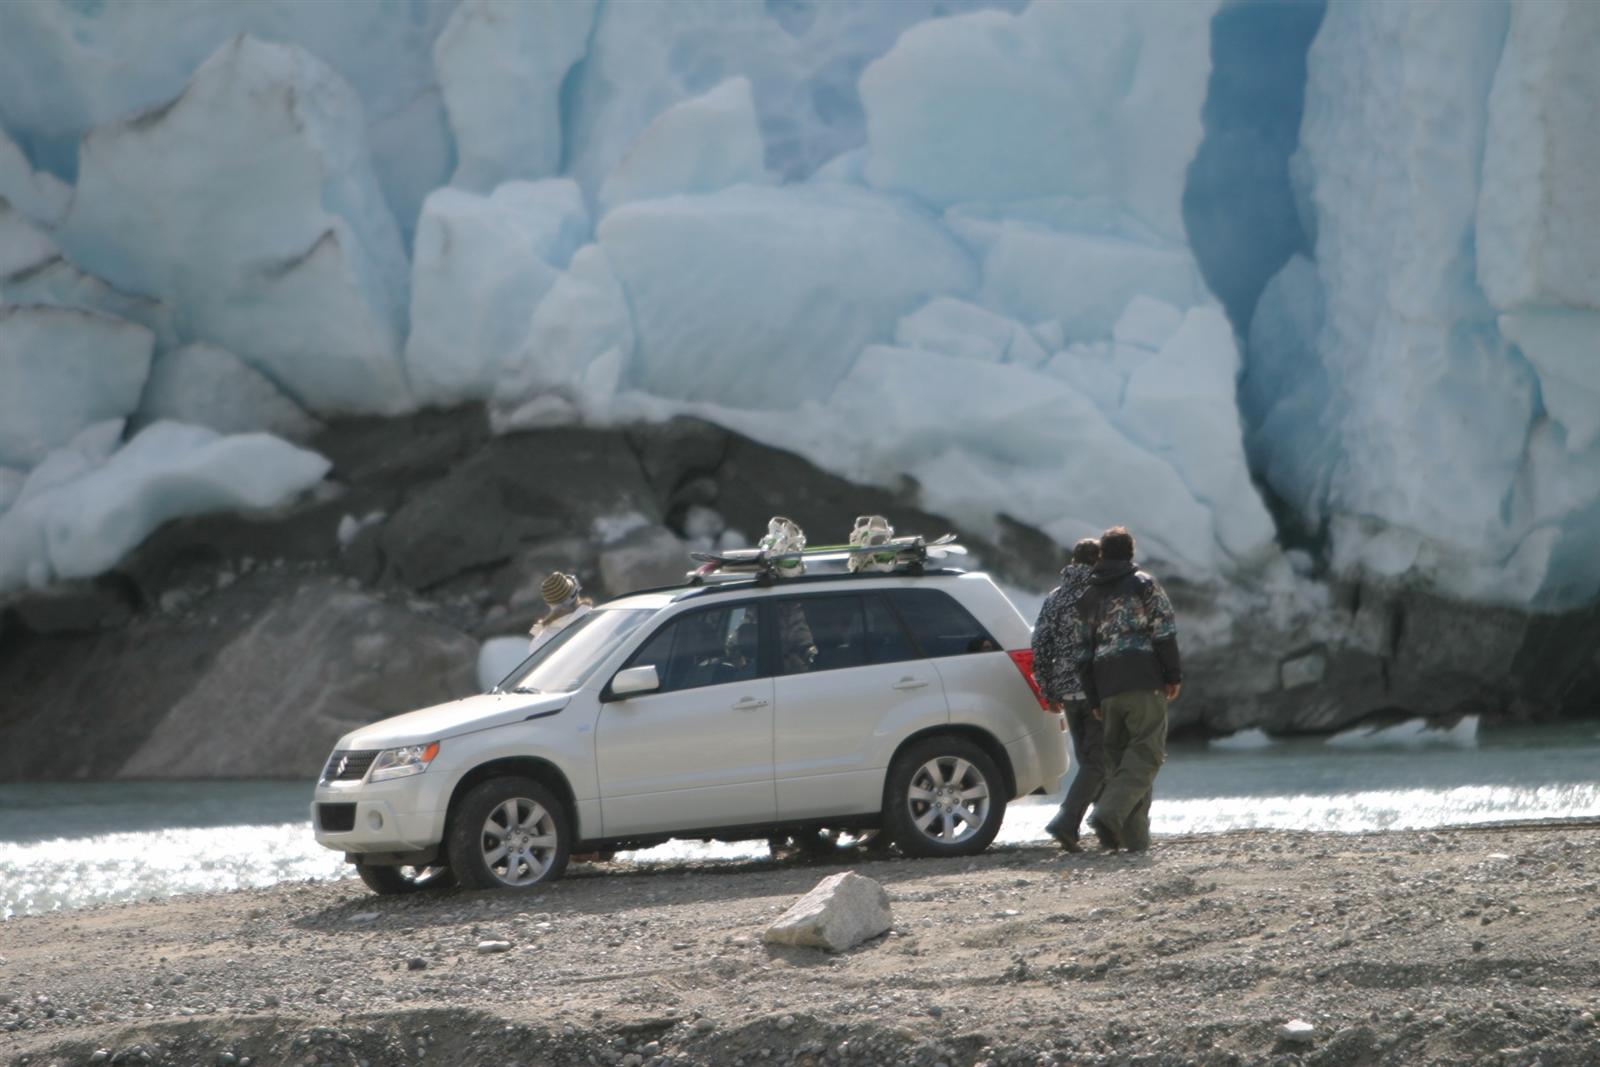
x,y
399,762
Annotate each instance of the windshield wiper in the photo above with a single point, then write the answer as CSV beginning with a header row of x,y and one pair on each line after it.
x,y
525,690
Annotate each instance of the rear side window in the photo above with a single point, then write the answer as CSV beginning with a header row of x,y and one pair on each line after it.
x,y
886,638
940,625
821,633
711,647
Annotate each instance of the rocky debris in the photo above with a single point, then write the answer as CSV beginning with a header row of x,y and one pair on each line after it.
x,y
1303,670
993,960
841,912
76,607
645,558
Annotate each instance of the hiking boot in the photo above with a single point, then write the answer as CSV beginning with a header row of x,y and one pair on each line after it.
x,y
1109,838
1056,828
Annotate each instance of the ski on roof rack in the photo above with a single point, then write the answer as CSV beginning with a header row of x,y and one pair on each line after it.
x,y
899,555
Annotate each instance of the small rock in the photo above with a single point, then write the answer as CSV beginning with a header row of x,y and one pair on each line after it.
x,y
786,1022
416,963
1298,1031
489,947
365,916
704,1026
843,910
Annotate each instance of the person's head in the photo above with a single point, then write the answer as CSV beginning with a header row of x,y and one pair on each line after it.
x,y
558,589
1116,545
1086,551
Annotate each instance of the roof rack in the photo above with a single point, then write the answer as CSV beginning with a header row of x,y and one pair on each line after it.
x,y
745,583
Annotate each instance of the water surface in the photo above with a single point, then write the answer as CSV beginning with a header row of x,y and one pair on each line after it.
x,y
68,845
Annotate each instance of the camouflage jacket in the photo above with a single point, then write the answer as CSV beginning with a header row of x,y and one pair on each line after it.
x,y
1130,635
1058,635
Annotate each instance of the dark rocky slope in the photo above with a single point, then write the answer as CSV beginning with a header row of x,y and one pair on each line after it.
x,y
244,645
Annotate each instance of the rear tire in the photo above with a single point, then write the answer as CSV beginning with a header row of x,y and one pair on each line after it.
x,y
397,881
944,796
509,833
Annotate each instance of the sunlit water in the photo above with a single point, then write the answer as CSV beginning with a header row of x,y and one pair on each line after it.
x,y
73,844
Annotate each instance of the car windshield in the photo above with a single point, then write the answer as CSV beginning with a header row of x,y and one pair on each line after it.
x,y
566,661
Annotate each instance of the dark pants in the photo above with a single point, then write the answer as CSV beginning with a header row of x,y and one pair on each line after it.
x,y
1088,752
1135,749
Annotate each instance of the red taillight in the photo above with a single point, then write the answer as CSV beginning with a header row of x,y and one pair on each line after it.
x,y
1024,661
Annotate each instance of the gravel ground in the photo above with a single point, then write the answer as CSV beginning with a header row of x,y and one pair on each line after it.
x,y
1448,947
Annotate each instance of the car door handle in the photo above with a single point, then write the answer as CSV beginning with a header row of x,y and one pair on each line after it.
x,y
749,704
909,682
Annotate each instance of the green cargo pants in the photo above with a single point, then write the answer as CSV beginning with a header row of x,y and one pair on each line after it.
x,y
1135,748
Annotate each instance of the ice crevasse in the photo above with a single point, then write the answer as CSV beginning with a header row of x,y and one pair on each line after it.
x,y
935,239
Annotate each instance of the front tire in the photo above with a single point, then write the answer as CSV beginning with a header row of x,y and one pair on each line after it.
x,y
944,797
398,881
509,833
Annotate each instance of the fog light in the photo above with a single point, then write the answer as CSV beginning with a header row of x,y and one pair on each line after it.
x,y
375,820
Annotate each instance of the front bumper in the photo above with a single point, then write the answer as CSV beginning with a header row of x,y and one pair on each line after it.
x,y
363,817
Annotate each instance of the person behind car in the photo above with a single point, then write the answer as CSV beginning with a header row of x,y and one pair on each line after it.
x,y
566,604
1057,638
1129,667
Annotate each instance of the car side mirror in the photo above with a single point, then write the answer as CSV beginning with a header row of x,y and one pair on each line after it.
x,y
635,680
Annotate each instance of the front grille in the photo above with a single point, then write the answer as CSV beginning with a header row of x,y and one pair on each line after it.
x,y
337,818
348,766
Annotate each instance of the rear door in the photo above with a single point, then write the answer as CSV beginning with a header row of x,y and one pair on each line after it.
x,y
696,754
982,683
850,686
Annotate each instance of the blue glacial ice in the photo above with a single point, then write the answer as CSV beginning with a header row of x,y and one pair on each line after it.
x,y
1427,381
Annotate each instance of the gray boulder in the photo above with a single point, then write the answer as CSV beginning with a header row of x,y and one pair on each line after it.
x,y
844,910
643,559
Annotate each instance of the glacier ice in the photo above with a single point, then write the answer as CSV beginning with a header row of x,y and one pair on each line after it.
x,y
68,67
480,267
1538,227
247,204
700,145
1446,298
1087,101
23,245
961,328
804,275
39,195
55,282
85,507
501,66
204,385
830,225
578,342
62,370
1008,439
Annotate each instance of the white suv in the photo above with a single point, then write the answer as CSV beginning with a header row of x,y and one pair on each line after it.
x,y
728,712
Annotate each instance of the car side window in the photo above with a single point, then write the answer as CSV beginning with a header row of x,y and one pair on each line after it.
x,y
821,633
940,626
709,647
886,638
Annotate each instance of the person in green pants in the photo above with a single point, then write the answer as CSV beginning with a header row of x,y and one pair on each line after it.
x,y
1130,669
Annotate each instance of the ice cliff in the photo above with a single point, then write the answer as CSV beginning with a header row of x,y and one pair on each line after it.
x,y
998,248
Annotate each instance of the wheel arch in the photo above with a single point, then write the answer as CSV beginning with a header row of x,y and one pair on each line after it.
x,y
542,771
977,735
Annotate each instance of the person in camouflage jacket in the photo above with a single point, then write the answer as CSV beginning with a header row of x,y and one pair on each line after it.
x,y
1130,670
1056,640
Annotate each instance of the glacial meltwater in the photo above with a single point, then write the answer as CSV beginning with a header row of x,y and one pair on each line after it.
x,y
68,845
